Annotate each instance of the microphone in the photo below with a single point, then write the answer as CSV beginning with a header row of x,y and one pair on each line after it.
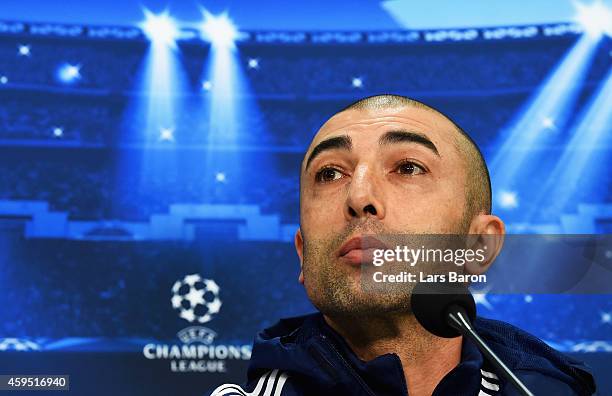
x,y
447,311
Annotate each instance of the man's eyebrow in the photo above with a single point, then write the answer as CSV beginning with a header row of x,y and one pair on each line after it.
x,y
339,142
402,136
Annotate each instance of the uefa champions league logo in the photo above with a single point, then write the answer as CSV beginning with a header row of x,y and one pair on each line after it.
x,y
197,301
196,298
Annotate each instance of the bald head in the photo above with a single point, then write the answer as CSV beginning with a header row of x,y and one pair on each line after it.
x,y
386,166
478,182
384,102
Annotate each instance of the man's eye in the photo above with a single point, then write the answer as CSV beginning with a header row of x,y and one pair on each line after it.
x,y
328,175
410,168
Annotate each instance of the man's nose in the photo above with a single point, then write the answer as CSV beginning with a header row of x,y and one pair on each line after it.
x,y
364,195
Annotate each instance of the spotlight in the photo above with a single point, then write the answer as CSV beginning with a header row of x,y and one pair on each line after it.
x,y
546,111
3,79
58,132
220,177
582,155
253,63
166,134
357,82
159,28
24,50
68,73
595,18
508,200
548,123
206,85
219,30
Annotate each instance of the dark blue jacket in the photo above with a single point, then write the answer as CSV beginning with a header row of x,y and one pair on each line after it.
x,y
304,356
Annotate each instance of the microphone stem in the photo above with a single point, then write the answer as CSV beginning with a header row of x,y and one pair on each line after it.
x,y
458,320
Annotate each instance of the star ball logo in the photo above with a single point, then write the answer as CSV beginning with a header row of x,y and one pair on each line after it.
x,y
196,298
197,301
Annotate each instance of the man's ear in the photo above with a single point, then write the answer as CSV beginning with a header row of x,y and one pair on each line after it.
x,y
299,248
487,236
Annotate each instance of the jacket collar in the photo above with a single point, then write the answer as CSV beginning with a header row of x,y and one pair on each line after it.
x,y
385,375
308,347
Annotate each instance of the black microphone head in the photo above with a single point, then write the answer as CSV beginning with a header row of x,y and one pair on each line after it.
x,y
431,302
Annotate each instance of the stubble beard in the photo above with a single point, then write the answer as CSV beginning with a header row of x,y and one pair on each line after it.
x,y
337,290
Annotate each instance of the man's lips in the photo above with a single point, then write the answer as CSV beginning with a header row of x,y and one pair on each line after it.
x,y
359,250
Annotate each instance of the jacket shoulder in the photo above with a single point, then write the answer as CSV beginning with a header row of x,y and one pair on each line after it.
x,y
537,363
543,384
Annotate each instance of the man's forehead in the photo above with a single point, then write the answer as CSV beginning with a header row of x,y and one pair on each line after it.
x,y
354,122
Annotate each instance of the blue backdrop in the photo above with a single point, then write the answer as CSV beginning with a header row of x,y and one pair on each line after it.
x,y
149,181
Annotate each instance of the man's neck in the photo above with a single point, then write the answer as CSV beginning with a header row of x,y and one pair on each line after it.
x,y
425,358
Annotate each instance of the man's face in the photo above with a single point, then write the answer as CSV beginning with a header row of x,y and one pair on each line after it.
x,y
392,171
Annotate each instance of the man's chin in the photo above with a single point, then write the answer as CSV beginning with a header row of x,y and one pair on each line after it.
x,y
363,304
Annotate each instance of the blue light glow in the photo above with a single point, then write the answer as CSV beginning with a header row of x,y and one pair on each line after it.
x,y
24,50
58,132
160,28
579,170
150,118
544,115
68,73
507,199
253,63
227,100
206,85
166,134
595,18
219,30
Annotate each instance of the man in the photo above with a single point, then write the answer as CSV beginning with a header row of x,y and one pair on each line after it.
x,y
391,165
